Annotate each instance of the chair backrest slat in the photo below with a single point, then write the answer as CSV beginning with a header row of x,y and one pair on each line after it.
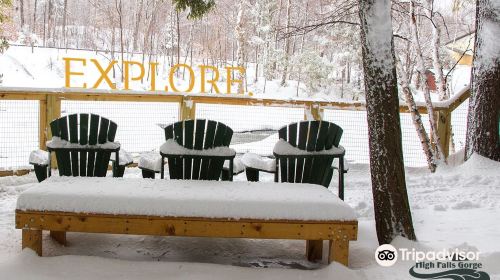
x,y
197,134
82,162
198,145
311,136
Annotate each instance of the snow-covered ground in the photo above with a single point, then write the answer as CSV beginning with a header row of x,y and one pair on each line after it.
x,y
457,207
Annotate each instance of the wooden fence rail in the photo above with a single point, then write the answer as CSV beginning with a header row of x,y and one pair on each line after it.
x,y
50,105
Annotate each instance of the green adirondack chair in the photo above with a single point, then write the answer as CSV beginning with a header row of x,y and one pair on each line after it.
x,y
198,136
80,151
310,167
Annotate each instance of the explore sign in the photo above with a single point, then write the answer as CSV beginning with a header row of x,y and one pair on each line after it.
x,y
75,66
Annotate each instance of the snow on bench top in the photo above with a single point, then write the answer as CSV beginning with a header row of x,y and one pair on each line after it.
x,y
171,147
58,143
284,148
186,198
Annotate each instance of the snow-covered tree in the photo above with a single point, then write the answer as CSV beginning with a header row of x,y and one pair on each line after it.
x,y
484,104
392,209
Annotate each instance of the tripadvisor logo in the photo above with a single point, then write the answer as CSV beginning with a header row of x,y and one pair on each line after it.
x,y
444,264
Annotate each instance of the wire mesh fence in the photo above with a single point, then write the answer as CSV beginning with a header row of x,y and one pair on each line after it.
x,y
459,125
355,136
18,132
139,123
255,127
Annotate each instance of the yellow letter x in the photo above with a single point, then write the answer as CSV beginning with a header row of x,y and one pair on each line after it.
x,y
104,74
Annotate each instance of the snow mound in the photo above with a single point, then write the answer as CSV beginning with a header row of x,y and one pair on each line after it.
x,y
285,148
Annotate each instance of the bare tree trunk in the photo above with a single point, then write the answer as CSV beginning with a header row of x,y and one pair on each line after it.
x,y
65,12
177,20
33,26
21,12
137,25
287,45
421,69
416,117
392,209
484,104
240,39
118,4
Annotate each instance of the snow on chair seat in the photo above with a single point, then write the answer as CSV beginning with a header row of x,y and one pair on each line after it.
x,y
255,163
150,163
187,208
197,150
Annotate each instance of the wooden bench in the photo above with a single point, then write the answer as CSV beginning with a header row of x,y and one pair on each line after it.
x,y
43,207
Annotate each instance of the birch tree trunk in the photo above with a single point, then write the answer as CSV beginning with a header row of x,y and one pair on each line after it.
x,y
416,117
391,206
436,45
421,70
484,104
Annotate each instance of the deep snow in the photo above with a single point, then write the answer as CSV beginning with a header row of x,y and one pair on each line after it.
x,y
457,207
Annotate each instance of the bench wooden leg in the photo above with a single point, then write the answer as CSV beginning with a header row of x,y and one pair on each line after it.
x,y
59,236
32,239
339,251
314,250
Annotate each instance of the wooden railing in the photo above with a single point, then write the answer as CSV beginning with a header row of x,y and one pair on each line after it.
x,y
50,105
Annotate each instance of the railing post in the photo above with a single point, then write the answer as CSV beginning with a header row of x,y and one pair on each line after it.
x,y
52,112
313,112
187,110
443,118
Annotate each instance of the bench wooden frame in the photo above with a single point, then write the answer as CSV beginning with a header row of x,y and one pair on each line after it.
x,y
339,233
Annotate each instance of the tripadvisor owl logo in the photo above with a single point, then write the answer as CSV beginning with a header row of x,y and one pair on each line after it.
x,y
386,255
444,264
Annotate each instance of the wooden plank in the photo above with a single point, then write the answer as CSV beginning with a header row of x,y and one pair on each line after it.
x,y
32,239
42,124
63,157
188,143
314,250
183,226
198,145
444,130
102,158
59,237
73,138
215,167
339,251
292,139
303,132
93,131
84,139
209,143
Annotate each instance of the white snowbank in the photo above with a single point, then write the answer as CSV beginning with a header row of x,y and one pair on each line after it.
x,y
262,163
285,148
181,198
151,161
58,143
90,267
171,147
39,157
